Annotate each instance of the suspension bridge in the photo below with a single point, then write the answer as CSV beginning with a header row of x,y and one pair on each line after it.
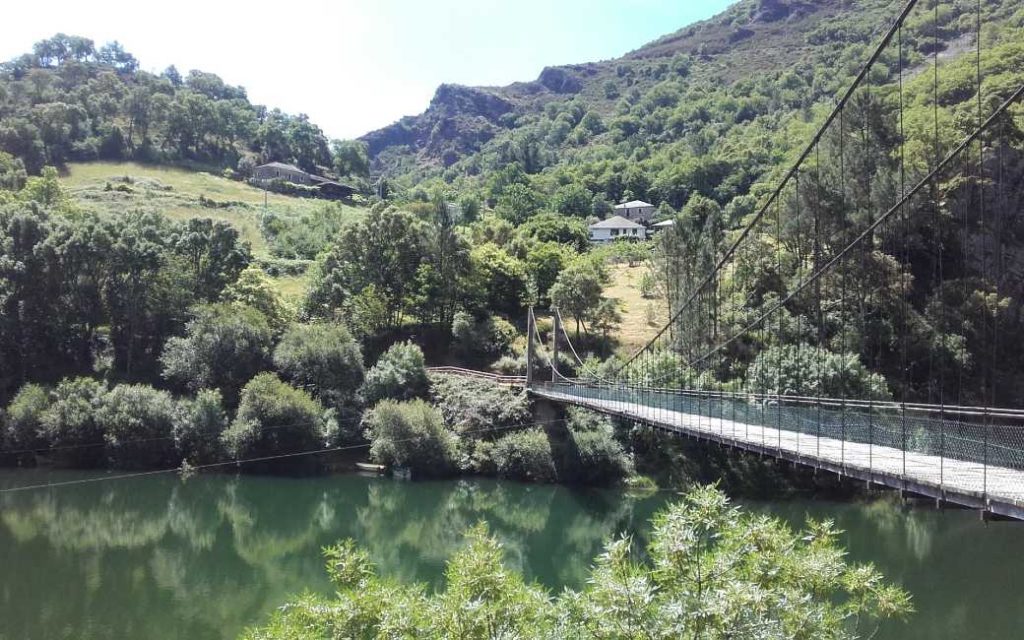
x,y
857,321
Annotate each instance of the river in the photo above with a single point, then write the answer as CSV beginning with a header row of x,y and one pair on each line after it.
x,y
157,557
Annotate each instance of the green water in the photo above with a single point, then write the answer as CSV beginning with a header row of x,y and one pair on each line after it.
x,y
154,557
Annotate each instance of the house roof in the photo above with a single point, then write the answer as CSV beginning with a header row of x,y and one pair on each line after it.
x,y
633,204
616,222
281,165
665,223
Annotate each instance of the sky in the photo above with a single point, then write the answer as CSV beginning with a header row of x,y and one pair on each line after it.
x,y
355,66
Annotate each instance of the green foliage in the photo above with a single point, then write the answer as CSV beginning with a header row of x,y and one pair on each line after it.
x,y
573,200
499,278
137,422
410,434
479,408
274,418
383,252
593,455
803,370
322,358
198,427
578,292
69,423
524,455
713,572
253,289
399,374
223,347
486,338
23,421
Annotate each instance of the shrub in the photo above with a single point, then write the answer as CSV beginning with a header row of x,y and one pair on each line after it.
x,y
223,347
762,580
410,434
198,425
69,423
25,418
803,370
595,457
489,337
525,455
275,418
510,365
137,421
400,374
323,358
473,407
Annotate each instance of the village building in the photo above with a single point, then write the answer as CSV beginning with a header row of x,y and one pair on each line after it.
x,y
266,174
617,228
635,210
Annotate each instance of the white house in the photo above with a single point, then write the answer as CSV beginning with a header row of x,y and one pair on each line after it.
x,y
635,210
662,226
617,228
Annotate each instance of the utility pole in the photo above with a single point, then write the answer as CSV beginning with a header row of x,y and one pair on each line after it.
x,y
531,325
555,329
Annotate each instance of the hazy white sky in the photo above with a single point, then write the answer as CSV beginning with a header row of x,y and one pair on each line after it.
x,y
355,66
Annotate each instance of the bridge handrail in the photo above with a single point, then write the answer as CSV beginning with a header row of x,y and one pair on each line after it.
x,y
480,375
880,405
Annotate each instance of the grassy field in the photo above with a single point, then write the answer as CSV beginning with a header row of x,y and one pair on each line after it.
x,y
641,317
181,194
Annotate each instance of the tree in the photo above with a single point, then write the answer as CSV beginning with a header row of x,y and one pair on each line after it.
x,y
380,251
198,427
544,262
714,572
136,421
399,374
23,423
573,200
12,172
255,290
214,255
69,423
499,279
224,346
577,292
410,434
323,359
518,202
350,158
274,418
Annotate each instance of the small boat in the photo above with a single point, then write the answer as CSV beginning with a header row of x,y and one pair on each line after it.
x,y
370,467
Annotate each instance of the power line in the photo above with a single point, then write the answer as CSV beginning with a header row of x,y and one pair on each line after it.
x,y
212,465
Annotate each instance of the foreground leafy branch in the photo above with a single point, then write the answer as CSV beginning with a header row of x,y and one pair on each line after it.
x,y
713,572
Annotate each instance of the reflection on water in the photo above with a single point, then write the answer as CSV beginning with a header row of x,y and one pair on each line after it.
x,y
155,557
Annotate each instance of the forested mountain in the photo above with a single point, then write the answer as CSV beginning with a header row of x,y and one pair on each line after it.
x,y
70,100
707,109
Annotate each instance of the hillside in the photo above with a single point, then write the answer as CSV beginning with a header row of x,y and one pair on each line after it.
x,y
128,188
709,108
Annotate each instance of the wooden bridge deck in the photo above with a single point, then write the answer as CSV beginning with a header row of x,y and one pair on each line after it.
x,y
996,489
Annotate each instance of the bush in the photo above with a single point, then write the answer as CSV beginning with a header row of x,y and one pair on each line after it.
x,y
198,426
275,418
224,346
510,365
400,374
764,580
25,418
488,338
474,407
69,423
137,421
594,456
410,434
803,370
323,358
525,455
